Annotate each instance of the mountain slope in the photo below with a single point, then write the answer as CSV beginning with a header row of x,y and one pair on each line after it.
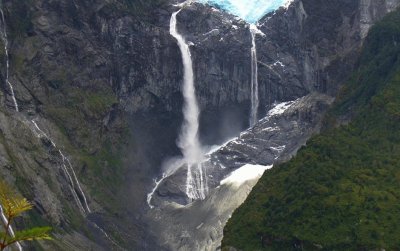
x,y
101,80
342,190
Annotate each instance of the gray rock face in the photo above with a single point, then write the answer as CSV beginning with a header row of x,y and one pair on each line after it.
x,y
307,49
273,139
373,10
103,79
35,167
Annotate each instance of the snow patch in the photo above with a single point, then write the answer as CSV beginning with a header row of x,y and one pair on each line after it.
x,y
245,173
279,63
270,129
278,149
214,148
280,108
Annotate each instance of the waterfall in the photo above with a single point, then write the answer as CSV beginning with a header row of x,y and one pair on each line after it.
x,y
69,173
188,140
10,229
254,76
74,185
150,195
5,41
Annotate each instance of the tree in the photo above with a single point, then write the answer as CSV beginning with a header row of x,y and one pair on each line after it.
x,y
12,205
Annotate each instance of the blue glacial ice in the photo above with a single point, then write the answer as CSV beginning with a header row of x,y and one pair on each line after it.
x,y
249,10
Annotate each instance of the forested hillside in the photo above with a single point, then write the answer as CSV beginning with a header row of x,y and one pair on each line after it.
x,y
342,190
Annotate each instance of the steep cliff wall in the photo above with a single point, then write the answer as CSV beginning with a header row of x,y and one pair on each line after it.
x,y
102,78
309,48
335,193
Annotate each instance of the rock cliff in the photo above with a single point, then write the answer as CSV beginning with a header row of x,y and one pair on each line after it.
x,y
101,79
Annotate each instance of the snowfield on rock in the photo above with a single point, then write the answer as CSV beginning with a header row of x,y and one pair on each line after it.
x,y
245,173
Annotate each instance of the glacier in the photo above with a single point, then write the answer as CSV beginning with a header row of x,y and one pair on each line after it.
x,y
249,10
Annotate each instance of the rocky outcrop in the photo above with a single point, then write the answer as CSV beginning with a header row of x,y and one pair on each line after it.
x,y
371,11
308,48
276,138
273,139
103,77
35,166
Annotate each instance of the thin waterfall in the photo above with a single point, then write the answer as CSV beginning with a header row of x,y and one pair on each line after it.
x,y
188,140
254,76
10,229
75,186
69,173
5,42
150,195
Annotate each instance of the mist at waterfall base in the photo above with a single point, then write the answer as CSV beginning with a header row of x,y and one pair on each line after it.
x,y
249,10
188,141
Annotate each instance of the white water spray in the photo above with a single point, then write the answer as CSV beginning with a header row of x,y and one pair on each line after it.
x,y
188,140
5,41
68,169
254,76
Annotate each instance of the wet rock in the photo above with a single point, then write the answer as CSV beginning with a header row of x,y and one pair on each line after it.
x,y
90,71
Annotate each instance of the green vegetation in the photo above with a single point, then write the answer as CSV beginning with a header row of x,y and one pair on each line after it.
x,y
13,205
341,191
106,168
99,154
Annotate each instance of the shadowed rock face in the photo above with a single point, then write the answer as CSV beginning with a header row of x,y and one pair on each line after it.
x,y
273,139
103,80
309,48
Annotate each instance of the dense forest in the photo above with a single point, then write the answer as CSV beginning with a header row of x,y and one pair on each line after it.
x,y
341,191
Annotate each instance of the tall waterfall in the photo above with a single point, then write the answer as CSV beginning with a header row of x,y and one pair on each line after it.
x,y
74,185
254,76
5,41
188,140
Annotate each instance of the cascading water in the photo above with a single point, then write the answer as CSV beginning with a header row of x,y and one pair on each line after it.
x,y
5,41
10,229
188,140
75,186
66,164
70,174
254,76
